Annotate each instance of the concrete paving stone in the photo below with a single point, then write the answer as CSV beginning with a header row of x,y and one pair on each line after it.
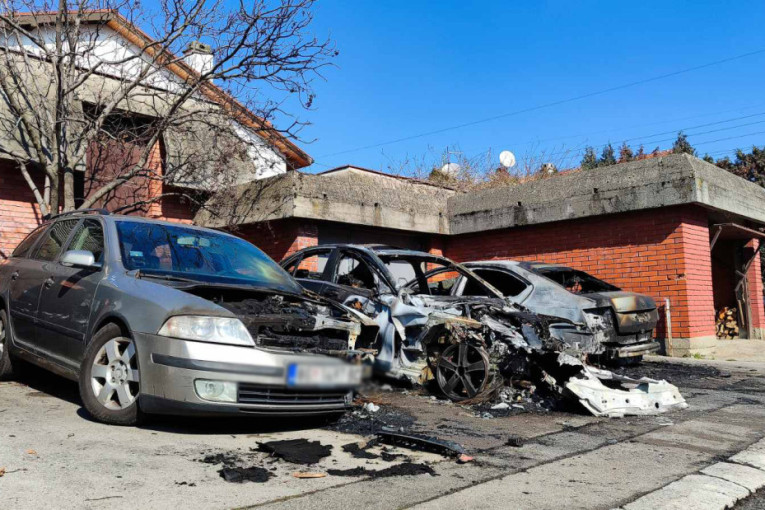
x,y
754,458
749,477
606,477
715,434
693,492
396,492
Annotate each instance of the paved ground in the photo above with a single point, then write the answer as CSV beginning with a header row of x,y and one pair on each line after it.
x,y
54,456
738,350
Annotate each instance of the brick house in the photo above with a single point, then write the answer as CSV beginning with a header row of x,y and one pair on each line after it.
x,y
674,227
268,152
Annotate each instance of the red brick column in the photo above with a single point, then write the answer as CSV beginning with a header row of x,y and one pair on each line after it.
x,y
19,212
754,280
693,305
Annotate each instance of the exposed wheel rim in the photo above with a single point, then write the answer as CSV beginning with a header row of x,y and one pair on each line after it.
x,y
114,374
462,371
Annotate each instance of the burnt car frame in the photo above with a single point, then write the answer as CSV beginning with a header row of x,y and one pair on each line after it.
x,y
401,290
621,322
156,317
470,344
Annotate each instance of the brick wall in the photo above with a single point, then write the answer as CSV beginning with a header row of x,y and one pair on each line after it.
x,y
19,212
754,280
663,253
279,239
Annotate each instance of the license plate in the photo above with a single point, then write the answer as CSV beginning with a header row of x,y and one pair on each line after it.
x,y
323,375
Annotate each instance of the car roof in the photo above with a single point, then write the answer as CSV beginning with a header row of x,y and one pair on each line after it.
x,y
136,219
378,249
528,265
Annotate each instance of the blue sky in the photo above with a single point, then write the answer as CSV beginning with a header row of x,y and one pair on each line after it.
x,y
410,67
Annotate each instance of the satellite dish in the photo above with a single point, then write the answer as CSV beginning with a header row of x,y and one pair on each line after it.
x,y
507,159
450,169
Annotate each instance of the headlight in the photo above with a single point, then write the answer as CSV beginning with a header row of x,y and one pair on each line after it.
x,y
219,330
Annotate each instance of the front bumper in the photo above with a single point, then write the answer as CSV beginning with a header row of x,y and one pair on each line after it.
x,y
633,350
169,367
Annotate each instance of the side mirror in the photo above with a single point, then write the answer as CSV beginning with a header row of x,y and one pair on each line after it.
x,y
79,258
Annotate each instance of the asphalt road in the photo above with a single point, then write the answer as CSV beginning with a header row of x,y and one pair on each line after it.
x,y
54,456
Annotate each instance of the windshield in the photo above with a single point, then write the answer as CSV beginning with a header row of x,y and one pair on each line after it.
x,y
577,282
158,249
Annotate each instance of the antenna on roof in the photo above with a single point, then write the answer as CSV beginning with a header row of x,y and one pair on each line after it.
x,y
507,159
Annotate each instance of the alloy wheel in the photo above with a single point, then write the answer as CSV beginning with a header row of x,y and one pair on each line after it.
x,y
462,371
114,374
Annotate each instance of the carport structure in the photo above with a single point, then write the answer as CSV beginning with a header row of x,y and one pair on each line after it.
x,y
674,227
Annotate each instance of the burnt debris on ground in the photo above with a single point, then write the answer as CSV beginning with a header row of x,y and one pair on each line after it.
x,y
297,451
241,474
403,469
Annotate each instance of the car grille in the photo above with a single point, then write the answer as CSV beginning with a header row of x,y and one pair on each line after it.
x,y
264,395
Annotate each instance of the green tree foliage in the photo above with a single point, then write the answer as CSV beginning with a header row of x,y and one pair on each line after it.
x,y
607,157
682,145
589,160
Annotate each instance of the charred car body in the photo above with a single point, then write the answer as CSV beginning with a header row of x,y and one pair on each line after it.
x,y
466,341
162,318
620,323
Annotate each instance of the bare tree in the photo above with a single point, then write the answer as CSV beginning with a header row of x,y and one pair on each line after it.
x,y
482,170
89,102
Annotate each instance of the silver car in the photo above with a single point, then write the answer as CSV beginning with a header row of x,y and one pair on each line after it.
x,y
156,317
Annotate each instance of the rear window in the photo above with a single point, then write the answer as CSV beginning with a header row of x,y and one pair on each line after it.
x,y
577,282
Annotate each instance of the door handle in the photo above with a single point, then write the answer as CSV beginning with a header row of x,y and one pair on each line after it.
x,y
15,275
48,283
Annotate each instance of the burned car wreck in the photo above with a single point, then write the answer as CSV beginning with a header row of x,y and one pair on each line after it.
x,y
621,322
469,345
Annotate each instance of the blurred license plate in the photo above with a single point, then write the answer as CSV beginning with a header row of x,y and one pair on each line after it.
x,y
323,375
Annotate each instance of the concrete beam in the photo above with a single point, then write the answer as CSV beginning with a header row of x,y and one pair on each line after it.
x,y
652,183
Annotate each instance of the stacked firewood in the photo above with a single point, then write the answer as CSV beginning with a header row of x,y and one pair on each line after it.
x,y
727,323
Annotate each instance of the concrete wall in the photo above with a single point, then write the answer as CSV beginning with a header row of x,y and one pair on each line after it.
x,y
648,184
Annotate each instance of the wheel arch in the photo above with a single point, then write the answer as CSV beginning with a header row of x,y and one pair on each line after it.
x,y
115,319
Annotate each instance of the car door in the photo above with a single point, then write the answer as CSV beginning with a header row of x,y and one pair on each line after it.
x,y
24,289
311,268
351,279
34,275
67,297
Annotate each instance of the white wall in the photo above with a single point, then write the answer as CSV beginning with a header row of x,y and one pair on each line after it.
x,y
107,47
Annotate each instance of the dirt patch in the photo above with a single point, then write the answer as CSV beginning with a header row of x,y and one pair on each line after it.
x,y
297,451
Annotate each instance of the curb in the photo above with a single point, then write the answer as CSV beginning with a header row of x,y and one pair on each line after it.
x,y
715,487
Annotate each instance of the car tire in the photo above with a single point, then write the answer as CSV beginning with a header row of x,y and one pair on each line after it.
x,y
631,361
6,363
109,378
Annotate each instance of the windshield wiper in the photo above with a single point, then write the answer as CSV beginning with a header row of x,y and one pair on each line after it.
x,y
168,277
